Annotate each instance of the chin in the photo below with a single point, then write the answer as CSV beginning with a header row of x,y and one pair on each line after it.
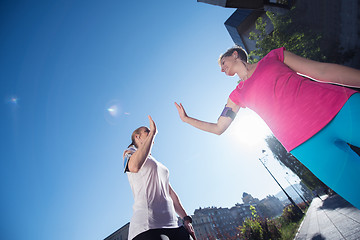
x,y
230,74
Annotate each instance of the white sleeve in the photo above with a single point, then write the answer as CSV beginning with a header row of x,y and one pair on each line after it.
x,y
127,156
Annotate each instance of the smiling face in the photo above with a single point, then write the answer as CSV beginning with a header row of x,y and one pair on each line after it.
x,y
227,65
232,65
233,61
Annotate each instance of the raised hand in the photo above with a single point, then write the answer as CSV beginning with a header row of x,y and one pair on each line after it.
x,y
152,126
181,111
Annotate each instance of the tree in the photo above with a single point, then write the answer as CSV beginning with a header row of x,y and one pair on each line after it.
x,y
257,228
295,38
288,160
299,41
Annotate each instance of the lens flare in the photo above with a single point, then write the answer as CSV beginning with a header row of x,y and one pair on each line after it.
x,y
113,112
12,100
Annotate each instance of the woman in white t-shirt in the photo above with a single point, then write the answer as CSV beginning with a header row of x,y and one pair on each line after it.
x,y
155,202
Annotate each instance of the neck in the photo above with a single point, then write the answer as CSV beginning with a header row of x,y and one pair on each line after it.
x,y
250,69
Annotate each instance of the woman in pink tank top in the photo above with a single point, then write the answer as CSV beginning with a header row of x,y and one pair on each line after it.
x,y
309,107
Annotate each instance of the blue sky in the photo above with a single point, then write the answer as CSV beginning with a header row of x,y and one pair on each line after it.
x,y
77,77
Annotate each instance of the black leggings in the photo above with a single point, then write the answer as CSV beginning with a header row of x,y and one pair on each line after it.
x,y
179,233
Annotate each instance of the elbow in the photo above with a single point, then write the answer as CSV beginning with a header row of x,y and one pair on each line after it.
x,y
219,131
220,127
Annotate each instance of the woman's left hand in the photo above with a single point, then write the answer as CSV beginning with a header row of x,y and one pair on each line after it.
x,y
153,127
190,229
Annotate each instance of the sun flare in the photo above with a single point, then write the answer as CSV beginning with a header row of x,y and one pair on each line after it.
x,y
248,129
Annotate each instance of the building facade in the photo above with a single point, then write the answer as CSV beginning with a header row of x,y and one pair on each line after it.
x,y
223,223
214,222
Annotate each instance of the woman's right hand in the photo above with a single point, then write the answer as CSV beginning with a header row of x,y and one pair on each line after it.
x,y
152,126
181,111
189,227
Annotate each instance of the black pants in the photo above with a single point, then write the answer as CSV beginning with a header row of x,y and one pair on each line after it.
x,y
179,233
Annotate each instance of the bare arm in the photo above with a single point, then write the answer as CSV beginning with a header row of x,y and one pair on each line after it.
x,y
138,158
181,211
323,72
177,204
217,128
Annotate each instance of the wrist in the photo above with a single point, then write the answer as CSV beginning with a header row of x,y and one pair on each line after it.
x,y
187,218
153,132
186,119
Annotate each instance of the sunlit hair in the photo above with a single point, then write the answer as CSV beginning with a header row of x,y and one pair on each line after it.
x,y
241,53
136,132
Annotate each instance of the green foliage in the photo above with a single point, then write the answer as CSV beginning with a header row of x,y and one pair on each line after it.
x,y
289,230
290,221
253,211
290,214
257,228
251,229
296,38
271,229
260,229
302,42
284,227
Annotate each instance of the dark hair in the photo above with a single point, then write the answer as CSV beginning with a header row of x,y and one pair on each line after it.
x,y
137,131
241,53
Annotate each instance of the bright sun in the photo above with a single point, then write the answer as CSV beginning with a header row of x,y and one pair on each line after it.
x,y
248,128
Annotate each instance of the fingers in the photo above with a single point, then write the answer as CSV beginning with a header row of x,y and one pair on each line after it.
x,y
177,106
193,236
152,124
190,229
180,110
150,119
180,107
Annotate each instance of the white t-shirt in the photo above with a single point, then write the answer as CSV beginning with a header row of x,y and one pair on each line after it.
x,y
153,207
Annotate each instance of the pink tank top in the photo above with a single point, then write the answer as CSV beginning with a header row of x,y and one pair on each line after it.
x,y
294,107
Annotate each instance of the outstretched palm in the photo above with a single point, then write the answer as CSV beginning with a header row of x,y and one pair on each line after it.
x,y
152,125
181,111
